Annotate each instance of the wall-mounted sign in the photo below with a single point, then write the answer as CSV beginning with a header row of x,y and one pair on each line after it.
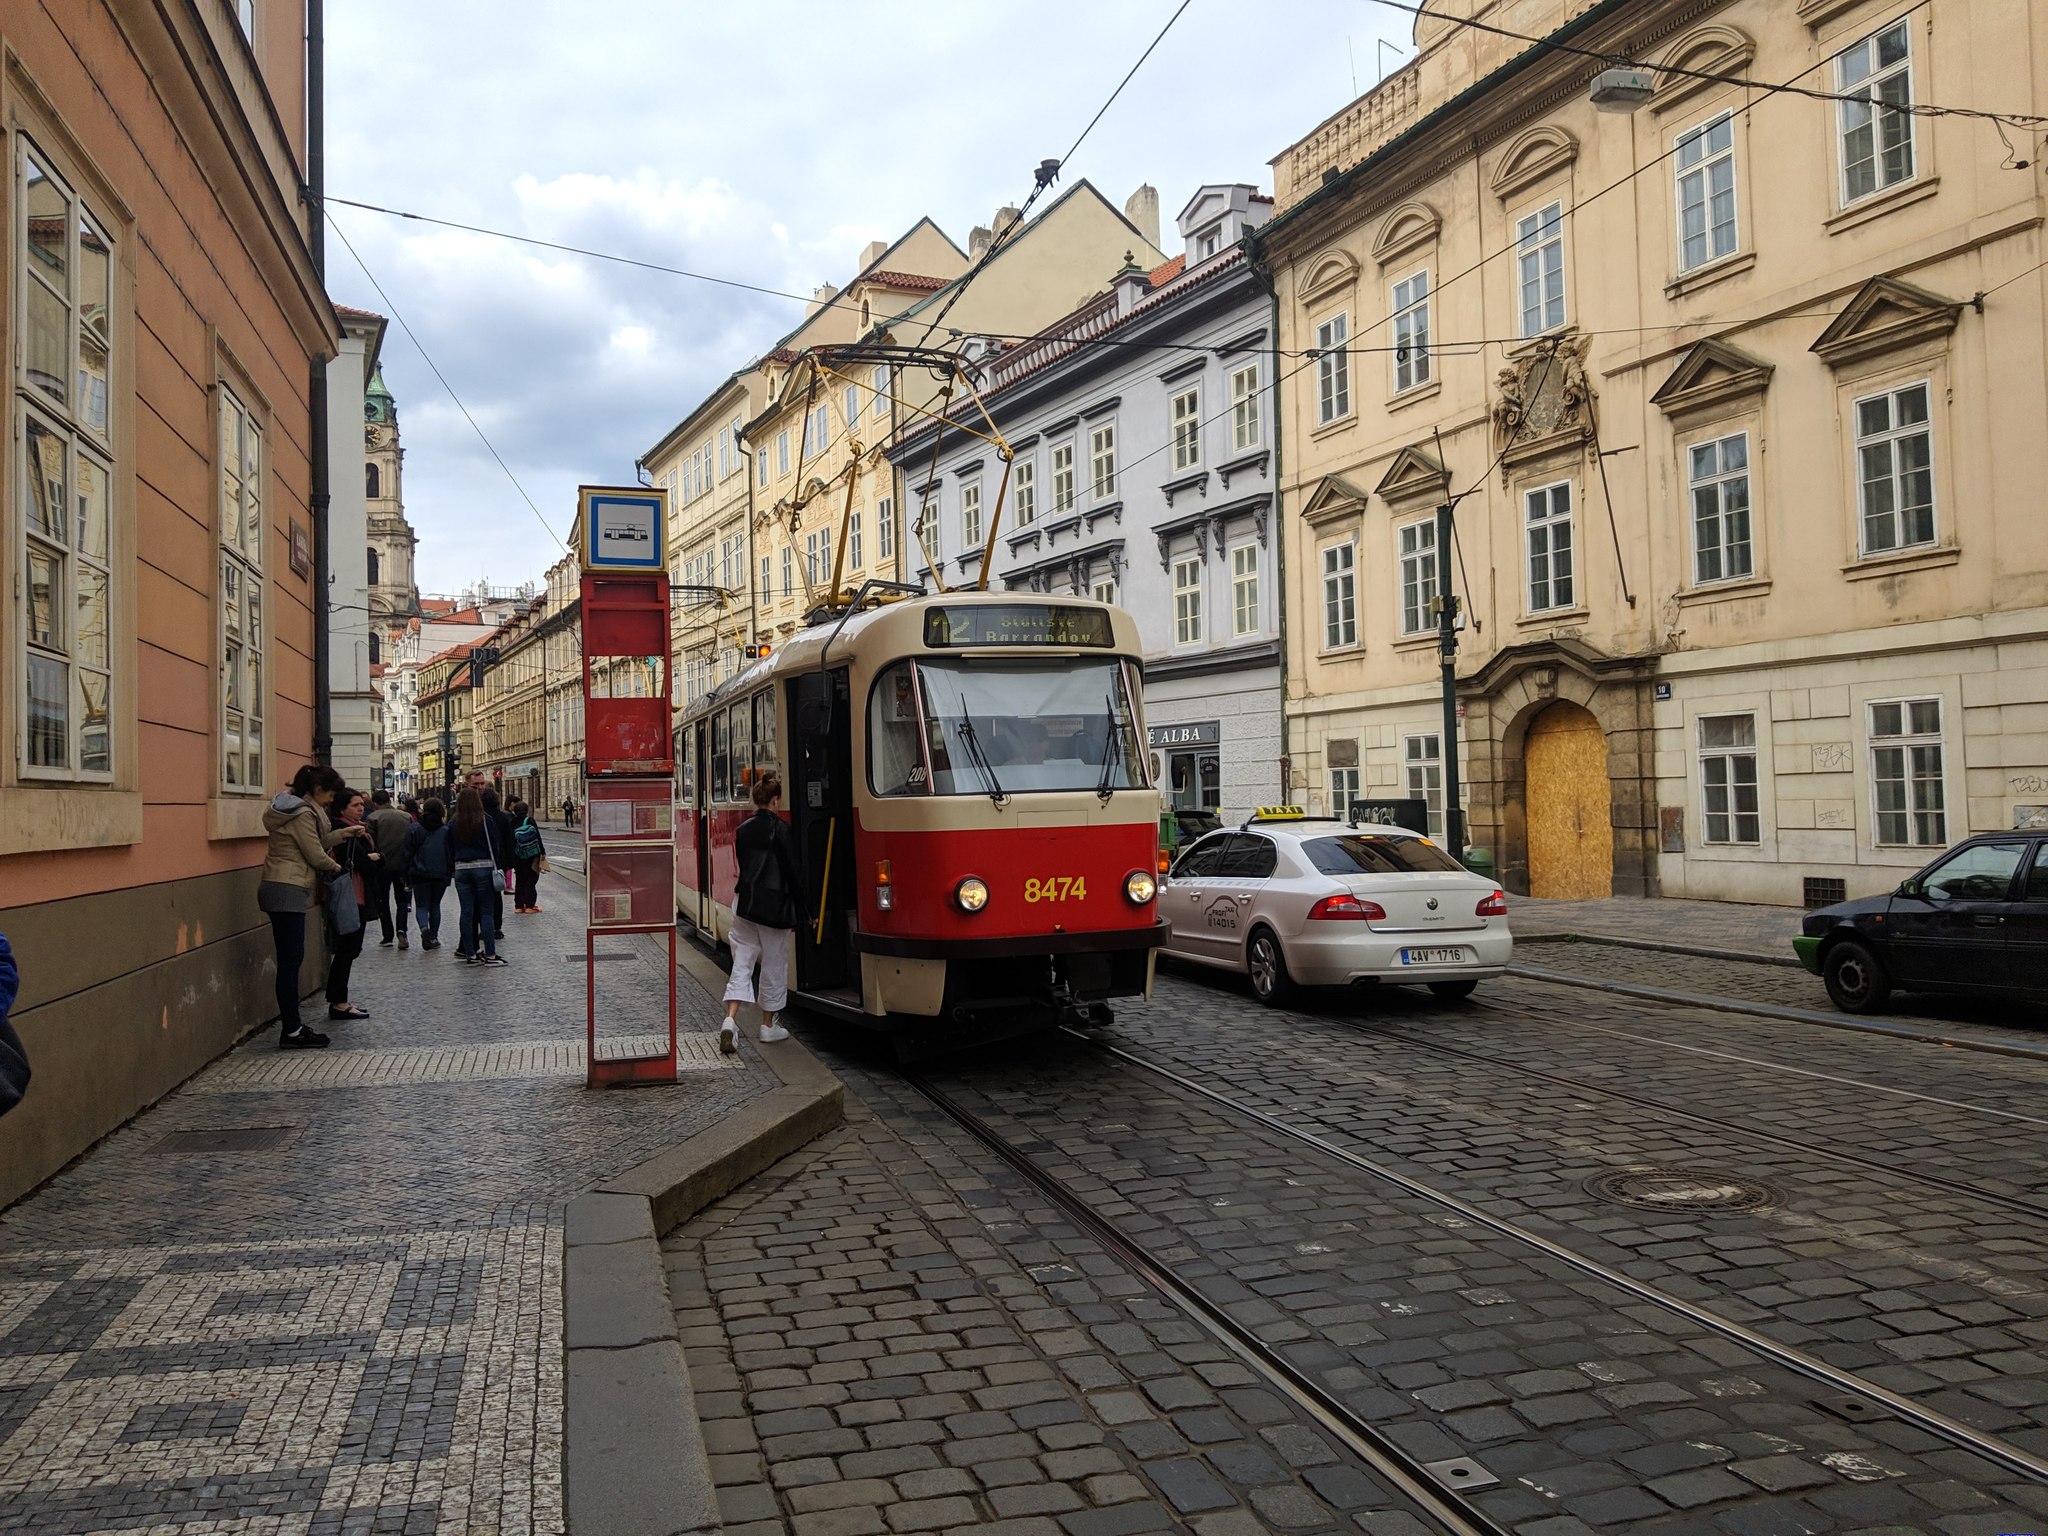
x,y
1201,733
302,549
624,527
1662,691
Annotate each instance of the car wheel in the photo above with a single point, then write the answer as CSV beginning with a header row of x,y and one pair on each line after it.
x,y
1855,979
1453,991
1271,984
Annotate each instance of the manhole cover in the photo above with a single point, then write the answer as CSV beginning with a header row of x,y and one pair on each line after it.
x,y
1680,1189
240,1138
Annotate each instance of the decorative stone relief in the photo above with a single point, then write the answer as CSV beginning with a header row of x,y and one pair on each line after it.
x,y
1543,396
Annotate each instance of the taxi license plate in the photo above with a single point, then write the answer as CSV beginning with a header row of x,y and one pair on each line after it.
x,y
1432,956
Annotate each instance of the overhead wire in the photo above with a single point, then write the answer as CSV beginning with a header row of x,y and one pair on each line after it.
x,y
428,358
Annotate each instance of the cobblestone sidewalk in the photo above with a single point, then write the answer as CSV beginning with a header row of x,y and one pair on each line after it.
x,y
1724,926
321,1293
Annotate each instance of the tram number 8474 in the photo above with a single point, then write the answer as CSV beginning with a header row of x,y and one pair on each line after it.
x,y
1056,888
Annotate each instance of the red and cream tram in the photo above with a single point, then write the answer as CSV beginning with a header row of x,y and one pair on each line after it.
x,y
966,778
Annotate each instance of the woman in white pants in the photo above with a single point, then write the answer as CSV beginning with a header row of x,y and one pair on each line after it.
x,y
764,915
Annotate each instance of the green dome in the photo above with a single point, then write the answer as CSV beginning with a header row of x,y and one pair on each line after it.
x,y
377,402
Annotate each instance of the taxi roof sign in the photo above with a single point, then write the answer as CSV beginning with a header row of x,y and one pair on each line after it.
x,y
1279,813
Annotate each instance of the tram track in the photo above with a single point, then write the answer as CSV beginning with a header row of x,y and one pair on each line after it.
x,y
1854,1396
2034,1210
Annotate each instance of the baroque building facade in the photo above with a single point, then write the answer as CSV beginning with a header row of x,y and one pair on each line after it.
x,y
1143,472
393,586
1728,393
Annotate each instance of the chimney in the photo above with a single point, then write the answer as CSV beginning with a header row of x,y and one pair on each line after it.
x,y
978,242
1130,285
873,253
1006,215
1143,211
822,295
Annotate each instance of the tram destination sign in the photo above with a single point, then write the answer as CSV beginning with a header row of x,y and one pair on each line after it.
x,y
1017,624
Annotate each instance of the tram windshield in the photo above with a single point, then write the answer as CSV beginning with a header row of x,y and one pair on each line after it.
x,y
979,726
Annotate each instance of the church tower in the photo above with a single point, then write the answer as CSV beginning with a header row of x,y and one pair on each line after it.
x,y
394,592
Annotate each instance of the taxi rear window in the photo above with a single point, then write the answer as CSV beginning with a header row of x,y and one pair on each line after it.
x,y
1363,854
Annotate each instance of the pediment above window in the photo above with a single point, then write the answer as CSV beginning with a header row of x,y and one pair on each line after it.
x,y
1711,50
1886,315
1334,497
1413,475
1711,376
1407,229
1540,152
1330,273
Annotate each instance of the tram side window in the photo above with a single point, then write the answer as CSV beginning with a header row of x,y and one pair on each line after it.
x,y
895,759
764,730
686,768
740,732
721,762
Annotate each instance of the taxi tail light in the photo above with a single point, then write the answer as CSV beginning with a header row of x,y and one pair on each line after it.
x,y
1495,905
1346,909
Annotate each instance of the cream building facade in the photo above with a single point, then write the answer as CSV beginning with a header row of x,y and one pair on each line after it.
x,y
1719,387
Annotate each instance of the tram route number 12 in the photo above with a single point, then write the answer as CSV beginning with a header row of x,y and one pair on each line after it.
x,y
1057,888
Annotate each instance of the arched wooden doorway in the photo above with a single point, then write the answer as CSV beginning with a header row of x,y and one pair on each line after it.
x,y
1569,805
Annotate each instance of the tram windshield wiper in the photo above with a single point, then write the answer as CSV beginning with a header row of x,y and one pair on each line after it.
x,y
971,740
1112,750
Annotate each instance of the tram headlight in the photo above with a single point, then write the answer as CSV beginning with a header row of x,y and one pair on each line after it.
x,y
1140,887
971,893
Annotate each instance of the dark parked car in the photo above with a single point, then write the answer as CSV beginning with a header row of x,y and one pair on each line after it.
x,y
1973,921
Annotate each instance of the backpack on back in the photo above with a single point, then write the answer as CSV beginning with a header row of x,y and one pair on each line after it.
x,y
526,840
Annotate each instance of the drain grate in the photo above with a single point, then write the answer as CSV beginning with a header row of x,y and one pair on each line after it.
x,y
1680,1189
239,1138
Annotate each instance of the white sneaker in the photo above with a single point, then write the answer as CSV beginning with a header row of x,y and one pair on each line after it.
x,y
729,1038
770,1033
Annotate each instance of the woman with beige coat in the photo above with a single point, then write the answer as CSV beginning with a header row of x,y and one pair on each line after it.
x,y
300,837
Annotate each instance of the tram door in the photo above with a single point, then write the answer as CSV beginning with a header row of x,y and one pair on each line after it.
x,y
821,815
700,820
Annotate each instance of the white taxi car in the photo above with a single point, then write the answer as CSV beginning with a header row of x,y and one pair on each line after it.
x,y
1291,900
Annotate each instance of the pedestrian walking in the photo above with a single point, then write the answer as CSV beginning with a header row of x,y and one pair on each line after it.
x,y
568,810
475,838
346,907
13,1054
529,858
386,876
299,853
765,915
430,855
501,847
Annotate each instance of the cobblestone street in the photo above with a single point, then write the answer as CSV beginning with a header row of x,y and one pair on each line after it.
x,y
1840,1323
321,1292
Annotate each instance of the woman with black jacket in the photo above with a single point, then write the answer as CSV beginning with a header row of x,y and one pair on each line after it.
x,y
764,915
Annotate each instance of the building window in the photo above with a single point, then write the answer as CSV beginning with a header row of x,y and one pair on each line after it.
x,y
245,13
788,571
1418,575
1876,128
1062,479
816,426
1187,429
1906,773
1187,601
1728,792
1244,590
851,405
853,544
724,452
881,391
62,372
970,516
373,566
371,482
242,682
1333,369
885,528
1895,469
1343,790
1208,244
1706,193
1411,331
1024,483
1422,757
1244,409
1539,253
1104,590
767,577
1549,518
1340,597
1102,460
1719,472
782,452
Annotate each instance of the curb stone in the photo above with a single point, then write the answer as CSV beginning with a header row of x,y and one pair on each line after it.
x,y
634,1456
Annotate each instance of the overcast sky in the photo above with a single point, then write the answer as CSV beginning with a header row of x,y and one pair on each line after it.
x,y
766,142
